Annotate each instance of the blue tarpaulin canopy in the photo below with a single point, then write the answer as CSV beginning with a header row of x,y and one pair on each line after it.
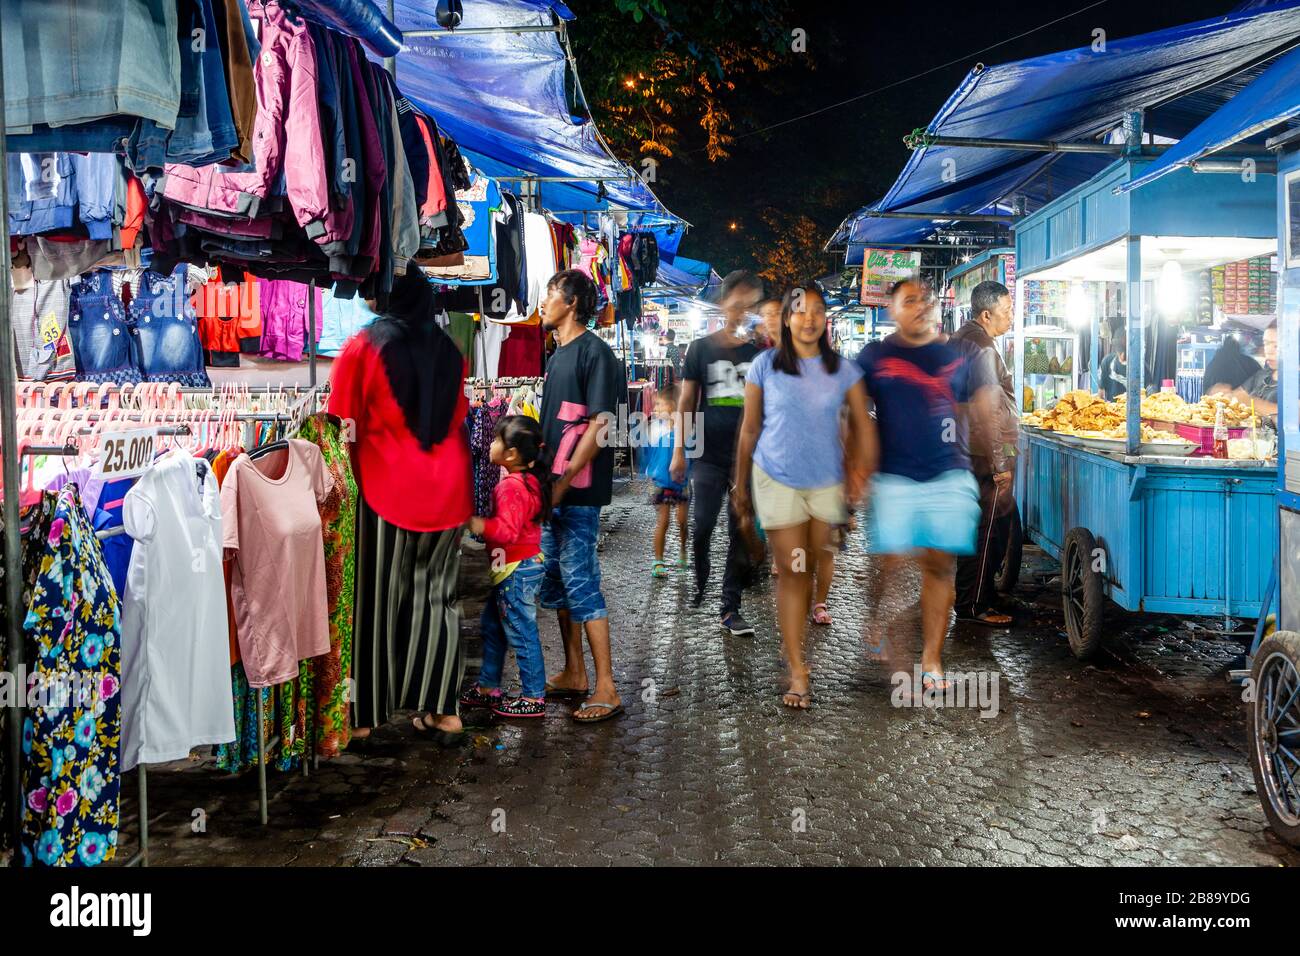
x,y
1178,76
504,98
357,18
1272,99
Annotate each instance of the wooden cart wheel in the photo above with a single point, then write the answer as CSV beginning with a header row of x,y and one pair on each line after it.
x,y
1082,596
1274,728
1008,575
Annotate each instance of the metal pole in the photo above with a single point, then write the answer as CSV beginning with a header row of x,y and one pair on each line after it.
x,y
474,31
144,815
13,564
1136,362
261,755
1234,166
1028,145
311,326
941,216
390,62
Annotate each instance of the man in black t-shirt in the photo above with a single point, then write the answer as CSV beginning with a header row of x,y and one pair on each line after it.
x,y
713,388
584,388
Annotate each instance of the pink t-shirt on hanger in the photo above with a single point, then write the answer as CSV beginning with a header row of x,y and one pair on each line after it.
x,y
272,530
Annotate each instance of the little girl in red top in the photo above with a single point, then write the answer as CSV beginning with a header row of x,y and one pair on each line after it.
x,y
514,540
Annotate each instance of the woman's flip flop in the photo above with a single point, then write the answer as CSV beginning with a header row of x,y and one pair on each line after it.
x,y
614,711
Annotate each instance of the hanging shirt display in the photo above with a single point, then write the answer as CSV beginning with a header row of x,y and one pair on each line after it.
x,y
477,205
343,318
271,528
40,319
175,651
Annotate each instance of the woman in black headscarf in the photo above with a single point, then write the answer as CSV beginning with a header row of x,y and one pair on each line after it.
x,y
398,386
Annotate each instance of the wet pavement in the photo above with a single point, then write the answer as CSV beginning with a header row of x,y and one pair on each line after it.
x,y
1137,758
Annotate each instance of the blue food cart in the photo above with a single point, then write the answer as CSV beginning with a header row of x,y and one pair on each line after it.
x,y
1144,525
1272,680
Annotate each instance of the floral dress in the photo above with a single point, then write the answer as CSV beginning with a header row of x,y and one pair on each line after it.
x,y
326,678
71,738
316,705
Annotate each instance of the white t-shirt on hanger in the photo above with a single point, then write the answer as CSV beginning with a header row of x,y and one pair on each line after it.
x,y
175,632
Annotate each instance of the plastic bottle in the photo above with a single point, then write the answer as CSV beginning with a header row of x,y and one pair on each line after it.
x,y
1220,435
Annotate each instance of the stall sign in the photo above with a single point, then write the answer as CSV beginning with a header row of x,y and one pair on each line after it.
x,y
881,268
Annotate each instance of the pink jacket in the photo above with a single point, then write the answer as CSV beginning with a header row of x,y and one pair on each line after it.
x,y
286,133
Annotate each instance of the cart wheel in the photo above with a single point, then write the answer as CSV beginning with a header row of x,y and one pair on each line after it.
x,y
1081,593
1008,575
1275,732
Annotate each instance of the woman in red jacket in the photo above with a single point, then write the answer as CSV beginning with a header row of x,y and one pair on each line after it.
x,y
398,385
514,539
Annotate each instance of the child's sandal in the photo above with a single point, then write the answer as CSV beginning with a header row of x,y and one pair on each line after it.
x,y
520,707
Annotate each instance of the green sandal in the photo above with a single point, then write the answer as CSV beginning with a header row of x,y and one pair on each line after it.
x,y
659,570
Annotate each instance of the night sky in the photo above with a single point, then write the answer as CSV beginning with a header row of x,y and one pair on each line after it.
x,y
831,164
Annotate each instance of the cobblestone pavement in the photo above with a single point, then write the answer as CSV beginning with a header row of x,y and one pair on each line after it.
x,y
1138,758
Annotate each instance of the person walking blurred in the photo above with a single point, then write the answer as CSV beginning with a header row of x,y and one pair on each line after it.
x,y
712,403
791,445
924,501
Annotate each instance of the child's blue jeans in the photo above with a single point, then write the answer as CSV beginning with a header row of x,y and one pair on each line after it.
x,y
510,619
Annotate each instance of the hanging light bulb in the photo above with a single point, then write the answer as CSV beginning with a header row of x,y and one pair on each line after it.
x,y
1171,291
1077,306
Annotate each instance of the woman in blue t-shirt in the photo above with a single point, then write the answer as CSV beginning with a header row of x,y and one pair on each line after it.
x,y
791,445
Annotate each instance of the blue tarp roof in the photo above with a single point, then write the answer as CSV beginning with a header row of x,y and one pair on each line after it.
x,y
1273,98
1178,75
357,18
503,97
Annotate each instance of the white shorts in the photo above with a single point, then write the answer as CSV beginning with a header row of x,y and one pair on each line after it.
x,y
780,506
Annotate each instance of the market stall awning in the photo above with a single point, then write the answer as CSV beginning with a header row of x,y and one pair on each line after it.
x,y
505,97
1179,76
1272,98
1081,94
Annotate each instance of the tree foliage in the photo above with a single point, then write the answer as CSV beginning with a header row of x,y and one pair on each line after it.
x,y
661,75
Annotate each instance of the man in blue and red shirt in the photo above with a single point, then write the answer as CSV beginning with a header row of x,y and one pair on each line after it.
x,y
924,500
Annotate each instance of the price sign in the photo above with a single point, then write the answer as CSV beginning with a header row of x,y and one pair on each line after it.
x,y
127,454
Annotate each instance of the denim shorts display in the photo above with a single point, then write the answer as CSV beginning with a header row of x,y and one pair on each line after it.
x,y
510,620
167,330
906,515
572,580
103,342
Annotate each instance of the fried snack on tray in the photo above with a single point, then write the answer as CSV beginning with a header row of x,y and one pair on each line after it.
x,y
1166,407
1236,414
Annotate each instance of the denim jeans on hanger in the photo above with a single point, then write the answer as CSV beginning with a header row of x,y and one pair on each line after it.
x,y
103,342
208,134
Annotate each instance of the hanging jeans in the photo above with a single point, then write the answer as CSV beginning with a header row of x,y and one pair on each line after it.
x,y
168,331
103,343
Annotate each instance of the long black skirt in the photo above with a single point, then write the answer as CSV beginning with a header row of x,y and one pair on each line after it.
x,y
406,649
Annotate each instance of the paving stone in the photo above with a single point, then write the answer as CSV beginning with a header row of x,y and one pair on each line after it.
x,y
719,772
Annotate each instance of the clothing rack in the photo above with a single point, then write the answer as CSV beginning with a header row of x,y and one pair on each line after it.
x,y
71,448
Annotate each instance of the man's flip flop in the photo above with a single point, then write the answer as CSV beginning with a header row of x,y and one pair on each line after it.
x,y
566,693
988,619
614,711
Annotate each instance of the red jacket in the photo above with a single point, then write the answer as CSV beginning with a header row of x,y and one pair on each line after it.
x,y
518,499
